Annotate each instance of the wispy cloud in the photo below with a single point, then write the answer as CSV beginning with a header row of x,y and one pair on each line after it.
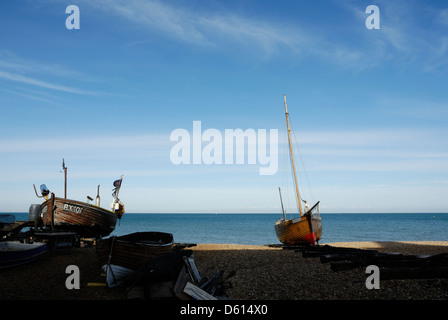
x,y
236,32
126,143
17,69
44,84
442,17
12,62
378,150
399,37
209,29
407,34
351,150
415,108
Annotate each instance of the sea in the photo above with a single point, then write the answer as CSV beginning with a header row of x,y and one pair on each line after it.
x,y
258,229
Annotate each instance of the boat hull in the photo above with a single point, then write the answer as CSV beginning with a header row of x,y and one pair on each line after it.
x,y
133,251
14,253
299,231
83,218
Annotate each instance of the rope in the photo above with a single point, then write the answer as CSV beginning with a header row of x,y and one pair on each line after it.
x,y
110,258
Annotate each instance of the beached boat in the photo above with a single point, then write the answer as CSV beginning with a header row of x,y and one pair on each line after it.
x,y
133,251
85,219
307,227
88,220
14,253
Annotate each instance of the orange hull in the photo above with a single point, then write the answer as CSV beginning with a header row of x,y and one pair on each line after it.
x,y
298,230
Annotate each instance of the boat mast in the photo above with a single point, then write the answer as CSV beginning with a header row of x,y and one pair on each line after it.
x,y
292,156
281,201
65,178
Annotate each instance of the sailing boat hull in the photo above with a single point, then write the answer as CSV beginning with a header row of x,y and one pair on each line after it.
x,y
299,230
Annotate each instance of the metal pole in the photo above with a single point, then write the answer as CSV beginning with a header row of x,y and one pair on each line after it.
x,y
65,179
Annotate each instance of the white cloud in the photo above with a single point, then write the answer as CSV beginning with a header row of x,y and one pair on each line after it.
x,y
27,72
45,85
442,17
379,149
399,38
407,35
415,108
375,150
387,197
150,176
205,28
87,143
15,63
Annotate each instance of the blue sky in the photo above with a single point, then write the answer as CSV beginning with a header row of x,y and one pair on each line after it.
x,y
368,107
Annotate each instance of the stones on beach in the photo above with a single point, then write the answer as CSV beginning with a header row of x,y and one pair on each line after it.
x,y
277,273
260,273
391,265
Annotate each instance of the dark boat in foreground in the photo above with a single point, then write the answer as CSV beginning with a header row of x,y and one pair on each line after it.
x,y
307,227
133,250
14,253
123,256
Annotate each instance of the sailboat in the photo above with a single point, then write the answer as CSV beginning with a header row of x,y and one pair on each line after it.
x,y
307,227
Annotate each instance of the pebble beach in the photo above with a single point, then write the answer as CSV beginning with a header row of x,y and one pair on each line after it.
x,y
260,273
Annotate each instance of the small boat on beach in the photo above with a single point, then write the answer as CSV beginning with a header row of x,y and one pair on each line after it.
x,y
307,227
88,220
14,253
121,256
85,219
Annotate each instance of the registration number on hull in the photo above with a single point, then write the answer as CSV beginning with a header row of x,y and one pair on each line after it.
x,y
72,208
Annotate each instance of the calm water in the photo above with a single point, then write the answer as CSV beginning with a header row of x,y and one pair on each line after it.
x,y
258,229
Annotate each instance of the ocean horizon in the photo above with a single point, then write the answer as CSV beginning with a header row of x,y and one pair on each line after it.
x,y
258,228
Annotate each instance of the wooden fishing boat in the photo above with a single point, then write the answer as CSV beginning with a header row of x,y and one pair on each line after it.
x,y
133,251
14,253
88,220
307,227
304,229
83,218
